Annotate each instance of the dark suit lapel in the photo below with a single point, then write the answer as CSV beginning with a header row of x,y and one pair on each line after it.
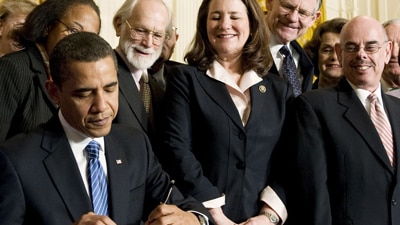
x,y
359,118
118,176
40,74
157,95
217,91
258,95
274,70
306,66
129,91
393,110
64,172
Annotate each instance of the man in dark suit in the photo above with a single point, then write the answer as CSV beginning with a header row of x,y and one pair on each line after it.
x,y
43,173
142,30
345,171
288,20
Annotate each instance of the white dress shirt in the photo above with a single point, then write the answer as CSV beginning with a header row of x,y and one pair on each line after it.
x,y
78,142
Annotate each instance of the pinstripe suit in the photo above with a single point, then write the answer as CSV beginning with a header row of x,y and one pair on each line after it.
x,y
24,102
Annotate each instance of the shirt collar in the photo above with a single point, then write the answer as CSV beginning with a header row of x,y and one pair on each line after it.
x,y
249,78
363,94
77,139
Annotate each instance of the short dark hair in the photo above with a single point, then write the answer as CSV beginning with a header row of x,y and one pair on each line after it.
x,y
312,47
81,47
45,15
255,56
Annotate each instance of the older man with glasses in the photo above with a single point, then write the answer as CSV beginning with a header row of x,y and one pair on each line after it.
x,y
287,21
142,27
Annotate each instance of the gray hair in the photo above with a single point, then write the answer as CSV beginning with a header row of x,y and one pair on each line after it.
x,y
125,11
392,21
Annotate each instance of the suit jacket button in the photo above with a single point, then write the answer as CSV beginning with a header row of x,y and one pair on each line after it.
x,y
240,165
394,202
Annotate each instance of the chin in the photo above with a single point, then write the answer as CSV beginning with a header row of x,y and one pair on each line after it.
x,y
96,133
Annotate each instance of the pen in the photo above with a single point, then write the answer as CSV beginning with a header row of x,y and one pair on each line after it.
x,y
170,186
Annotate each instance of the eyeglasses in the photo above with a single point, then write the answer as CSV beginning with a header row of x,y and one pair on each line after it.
x,y
140,32
70,30
288,8
369,48
173,28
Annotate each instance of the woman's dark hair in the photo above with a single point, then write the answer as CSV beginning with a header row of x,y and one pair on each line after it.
x,y
43,17
312,47
255,55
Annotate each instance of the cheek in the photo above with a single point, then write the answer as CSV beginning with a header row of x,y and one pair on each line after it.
x,y
322,58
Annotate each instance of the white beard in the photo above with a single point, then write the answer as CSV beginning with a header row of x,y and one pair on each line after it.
x,y
138,61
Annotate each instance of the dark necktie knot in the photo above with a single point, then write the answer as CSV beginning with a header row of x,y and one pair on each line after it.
x,y
93,149
285,51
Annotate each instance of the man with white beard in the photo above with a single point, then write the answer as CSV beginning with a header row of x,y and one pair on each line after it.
x,y
141,26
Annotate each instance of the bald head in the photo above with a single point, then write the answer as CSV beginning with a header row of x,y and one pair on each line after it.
x,y
360,26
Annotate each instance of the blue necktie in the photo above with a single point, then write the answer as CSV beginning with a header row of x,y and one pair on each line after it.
x,y
289,70
97,180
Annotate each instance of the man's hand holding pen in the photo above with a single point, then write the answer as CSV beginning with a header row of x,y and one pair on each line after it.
x,y
171,214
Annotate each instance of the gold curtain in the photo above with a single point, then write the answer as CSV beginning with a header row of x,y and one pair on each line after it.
x,y
262,4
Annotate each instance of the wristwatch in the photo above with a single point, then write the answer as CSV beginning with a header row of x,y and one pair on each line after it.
x,y
201,219
272,218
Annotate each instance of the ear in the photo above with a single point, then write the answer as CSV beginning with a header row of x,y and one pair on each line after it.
x,y
388,51
117,22
53,91
316,16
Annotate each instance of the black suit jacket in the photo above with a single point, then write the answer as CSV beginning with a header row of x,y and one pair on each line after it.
x,y
24,102
131,111
342,175
306,67
40,182
163,76
213,152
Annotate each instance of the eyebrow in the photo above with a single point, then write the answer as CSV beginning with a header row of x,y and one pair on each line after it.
x,y
230,12
81,90
78,24
366,43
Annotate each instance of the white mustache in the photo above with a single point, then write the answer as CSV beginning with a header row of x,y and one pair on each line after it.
x,y
142,49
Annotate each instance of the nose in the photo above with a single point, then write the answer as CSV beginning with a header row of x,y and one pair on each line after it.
x,y
147,40
99,103
334,57
361,53
225,22
293,15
